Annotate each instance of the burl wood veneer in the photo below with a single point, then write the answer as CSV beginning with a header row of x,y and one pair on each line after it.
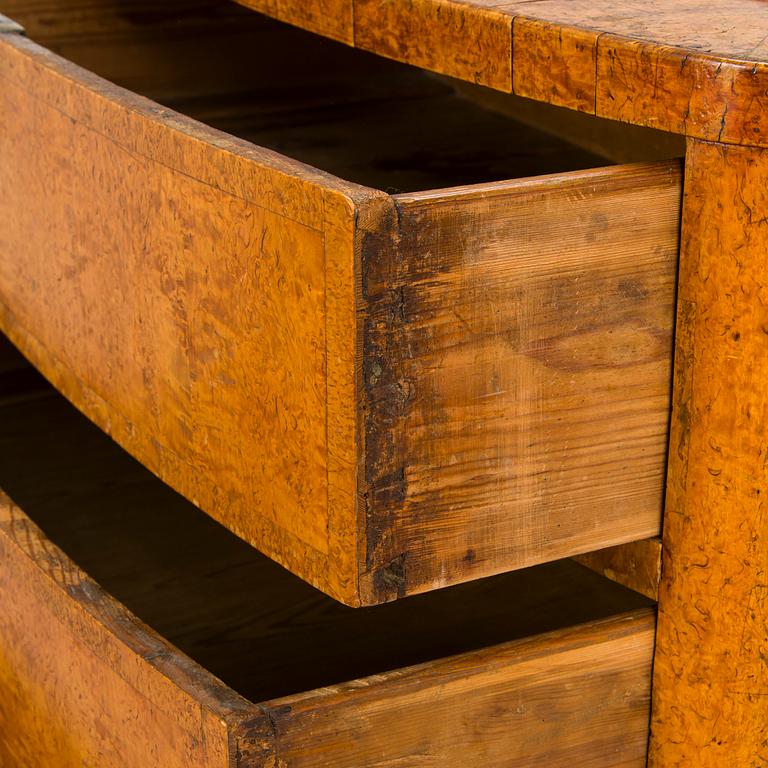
x,y
699,69
183,646
385,389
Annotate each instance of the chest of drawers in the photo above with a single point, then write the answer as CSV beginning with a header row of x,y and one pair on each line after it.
x,y
385,392
398,332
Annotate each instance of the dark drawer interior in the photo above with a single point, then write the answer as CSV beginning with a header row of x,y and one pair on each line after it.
x,y
353,114
251,623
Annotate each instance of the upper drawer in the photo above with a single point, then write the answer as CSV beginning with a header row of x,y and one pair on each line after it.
x,y
384,392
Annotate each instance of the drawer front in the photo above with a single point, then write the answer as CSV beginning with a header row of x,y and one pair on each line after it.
x,y
517,364
194,295
386,394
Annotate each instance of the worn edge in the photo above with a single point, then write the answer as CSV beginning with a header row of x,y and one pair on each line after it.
x,y
635,565
119,623
10,26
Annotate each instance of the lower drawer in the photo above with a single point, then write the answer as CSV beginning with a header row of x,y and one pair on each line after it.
x,y
183,646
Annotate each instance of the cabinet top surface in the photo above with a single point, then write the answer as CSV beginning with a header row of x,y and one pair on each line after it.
x,y
692,67
726,29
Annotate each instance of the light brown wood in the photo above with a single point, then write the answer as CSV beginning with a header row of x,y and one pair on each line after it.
x,y
163,329
518,370
636,565
693,67
711,680
210,304
547,720
84,681
421,32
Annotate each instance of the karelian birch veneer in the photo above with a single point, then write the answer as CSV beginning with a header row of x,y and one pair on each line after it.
x,y
387,393
699,69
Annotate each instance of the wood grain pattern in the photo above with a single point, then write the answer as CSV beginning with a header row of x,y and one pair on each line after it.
x,y
332,18
213,320
636,565
396,28
153,49
694,67
569,60
222,270
205,590
83,681
151,705
711,679
348,112
518,374
547,718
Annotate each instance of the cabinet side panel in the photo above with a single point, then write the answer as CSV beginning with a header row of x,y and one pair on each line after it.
x,y
710,704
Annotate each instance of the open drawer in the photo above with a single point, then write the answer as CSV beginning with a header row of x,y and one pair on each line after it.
x,y
386,390
183,646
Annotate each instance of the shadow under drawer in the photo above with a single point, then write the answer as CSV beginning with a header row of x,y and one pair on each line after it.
x,y
488,686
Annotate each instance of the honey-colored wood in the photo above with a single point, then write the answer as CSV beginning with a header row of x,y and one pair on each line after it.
x,y
636,565
701,70
506,363
569,60
522,723
692,67
84,681
420,32
711,680
220,309
163,330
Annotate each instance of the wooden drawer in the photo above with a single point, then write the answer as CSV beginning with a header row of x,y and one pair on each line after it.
x,y
242,664
386,390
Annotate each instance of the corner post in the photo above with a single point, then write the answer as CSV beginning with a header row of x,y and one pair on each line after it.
x,y
710,687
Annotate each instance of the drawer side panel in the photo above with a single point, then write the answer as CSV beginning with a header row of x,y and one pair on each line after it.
x,y
518,366
577,697
79,677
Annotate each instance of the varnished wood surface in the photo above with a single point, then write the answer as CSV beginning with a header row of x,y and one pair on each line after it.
x,y
170,303
82,680
351,113
243,616
84,683
518,373
691,67
636,565
566,699
711,679
204,299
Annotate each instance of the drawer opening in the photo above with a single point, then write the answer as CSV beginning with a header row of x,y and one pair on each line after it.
x,y
251,623
352,114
